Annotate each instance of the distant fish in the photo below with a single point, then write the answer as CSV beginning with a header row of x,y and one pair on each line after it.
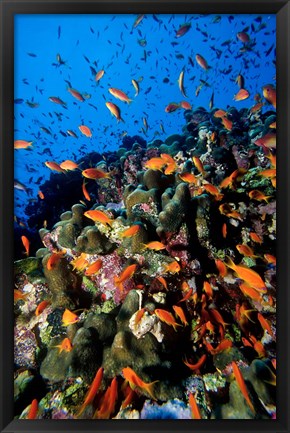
x,y
138,20
18,185
181,83
58,32
56,100
119,94
31,54
183,29
22,144
85,130
18,101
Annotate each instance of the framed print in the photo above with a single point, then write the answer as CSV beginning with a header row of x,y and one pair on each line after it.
x,y
144,242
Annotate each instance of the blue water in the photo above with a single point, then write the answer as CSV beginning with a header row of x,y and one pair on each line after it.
x,y
111,43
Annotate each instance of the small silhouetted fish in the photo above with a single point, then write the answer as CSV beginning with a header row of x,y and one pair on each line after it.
x,y
148,90
18,101
92,30
31,54
85,57
63,133
58,32
165,80
269,50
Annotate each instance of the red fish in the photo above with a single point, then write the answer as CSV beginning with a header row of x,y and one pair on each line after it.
x,y
120,95
269,93
33,410
92,391
195,412
242,385
183,29
26,244
197,365
41,307
95,173
94,268
173,106
85,191
65,346
22,144
180,313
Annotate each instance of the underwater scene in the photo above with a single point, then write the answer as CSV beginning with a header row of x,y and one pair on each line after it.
x,y
145,216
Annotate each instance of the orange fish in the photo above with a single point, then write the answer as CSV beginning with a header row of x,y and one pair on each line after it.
x,y
207,289
85,191
221,268
250,292
258,346
187,296
120,95
224,345
92,391
127,273
109,401
245,250
188,177
54,166
217,317
241,95
195,412
228,181
172,267
139,316
135,381
259,196
162,281
270,259
255,238
227,210
185,105
41,307
228,124
202,62
267,141
269,93
95,173
198,164
19,295
94,268
99,75
131,231
180,313
171,107
155,245
85,130
76,94
64,346
197,365
40,195
251,277
166,317
68,165
26,244
68,318
115,111
170,168
98,216
265,324
257,107
182,29
22,144
220,113
155,163
270,173
33,410
80,262
211,189
242,385
54,260
224,230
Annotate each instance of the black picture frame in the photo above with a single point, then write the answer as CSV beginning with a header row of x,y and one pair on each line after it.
x,y
7,10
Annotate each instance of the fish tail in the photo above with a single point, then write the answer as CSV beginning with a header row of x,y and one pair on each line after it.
x,y
149,388
229,263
